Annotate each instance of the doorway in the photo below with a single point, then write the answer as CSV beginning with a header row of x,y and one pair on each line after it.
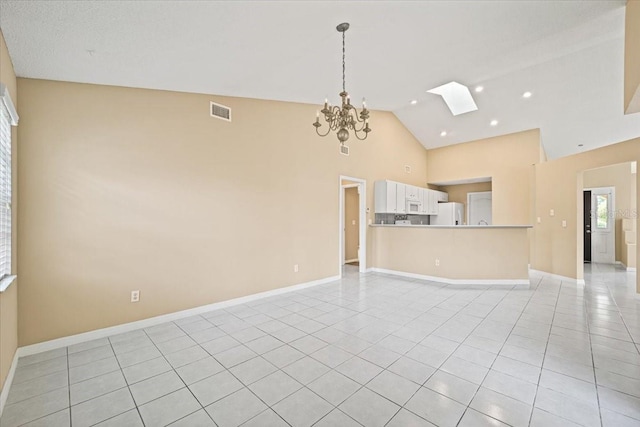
x,y
586,215
352,232
479,210
602,225
351,222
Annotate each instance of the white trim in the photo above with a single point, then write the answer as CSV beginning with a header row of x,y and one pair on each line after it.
x,y
347,261
5,97
559,277
6,282
489,282
362,217
629,269
152,321
4,394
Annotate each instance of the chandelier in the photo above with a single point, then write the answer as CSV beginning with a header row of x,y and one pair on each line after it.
x,y
345,118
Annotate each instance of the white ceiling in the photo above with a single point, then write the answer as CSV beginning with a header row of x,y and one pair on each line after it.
x,y
569,54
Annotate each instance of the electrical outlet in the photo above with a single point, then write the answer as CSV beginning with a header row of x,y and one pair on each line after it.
x,y
564,223
539,220
552,212
370,221
295,268
135,296
437,263
353,222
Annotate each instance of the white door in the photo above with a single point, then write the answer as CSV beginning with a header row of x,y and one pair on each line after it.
x,y
479,210
603,234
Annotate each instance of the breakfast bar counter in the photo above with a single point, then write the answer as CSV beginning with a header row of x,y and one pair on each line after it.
x,y
463,254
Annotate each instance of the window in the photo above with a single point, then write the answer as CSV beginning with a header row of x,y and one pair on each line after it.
x,y
8,118
602,211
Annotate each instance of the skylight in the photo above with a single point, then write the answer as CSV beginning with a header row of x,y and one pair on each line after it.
x,y
457,97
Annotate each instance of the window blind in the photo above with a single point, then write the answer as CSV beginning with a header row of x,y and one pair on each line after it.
x,y
5,191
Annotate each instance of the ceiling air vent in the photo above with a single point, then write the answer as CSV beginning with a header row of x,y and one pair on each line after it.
x,y
344,149
220,111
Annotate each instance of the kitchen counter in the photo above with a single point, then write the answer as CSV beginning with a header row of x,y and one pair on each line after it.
x,y
457,254
449,226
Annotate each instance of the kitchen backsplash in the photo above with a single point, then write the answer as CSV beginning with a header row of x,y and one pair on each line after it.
x,y
392,218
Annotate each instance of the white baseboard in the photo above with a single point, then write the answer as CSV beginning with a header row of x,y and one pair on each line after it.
x,y
152,321
580,282
489,282
629,269
4,393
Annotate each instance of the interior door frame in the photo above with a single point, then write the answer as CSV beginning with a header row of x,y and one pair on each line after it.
x,y
612,217
345,187
361,184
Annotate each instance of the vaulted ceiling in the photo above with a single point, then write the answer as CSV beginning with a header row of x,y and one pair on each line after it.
x,y
568,54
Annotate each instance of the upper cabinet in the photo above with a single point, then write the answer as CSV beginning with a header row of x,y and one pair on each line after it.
x,y
391,197
413,193
401,199
385,197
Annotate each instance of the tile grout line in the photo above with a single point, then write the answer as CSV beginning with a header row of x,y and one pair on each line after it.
x,y
535,397
468,406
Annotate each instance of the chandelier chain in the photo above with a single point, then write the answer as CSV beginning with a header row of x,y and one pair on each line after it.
x,y
343,63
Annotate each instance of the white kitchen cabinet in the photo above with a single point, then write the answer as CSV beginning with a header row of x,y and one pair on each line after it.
x,y
385,200
391,198
432,202
412,192
401,198
424,201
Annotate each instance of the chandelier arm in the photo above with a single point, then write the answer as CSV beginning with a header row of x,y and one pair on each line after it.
x,y
325,134
357,134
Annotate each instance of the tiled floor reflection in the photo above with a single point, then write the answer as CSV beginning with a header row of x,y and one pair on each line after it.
x,y
368,350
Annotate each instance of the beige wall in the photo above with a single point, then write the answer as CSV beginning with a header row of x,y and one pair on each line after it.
x,y
559,186
9,298
464,253
632,58
127,189
458,193
620,177
351,223
506,159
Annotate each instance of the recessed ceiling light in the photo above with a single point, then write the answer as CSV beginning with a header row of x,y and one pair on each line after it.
x,y
414,102
494,123
479,89
527,94
443,133
456,96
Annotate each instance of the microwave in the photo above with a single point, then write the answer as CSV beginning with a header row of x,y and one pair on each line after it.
x,y
413,207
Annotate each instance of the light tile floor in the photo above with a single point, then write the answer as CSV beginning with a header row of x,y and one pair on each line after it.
x,y
368,350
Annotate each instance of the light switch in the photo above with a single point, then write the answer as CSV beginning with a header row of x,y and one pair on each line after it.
x,y
369,221
552,212
539,220
564,223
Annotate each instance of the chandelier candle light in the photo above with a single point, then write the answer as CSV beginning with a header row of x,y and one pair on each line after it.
x,y
345,118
